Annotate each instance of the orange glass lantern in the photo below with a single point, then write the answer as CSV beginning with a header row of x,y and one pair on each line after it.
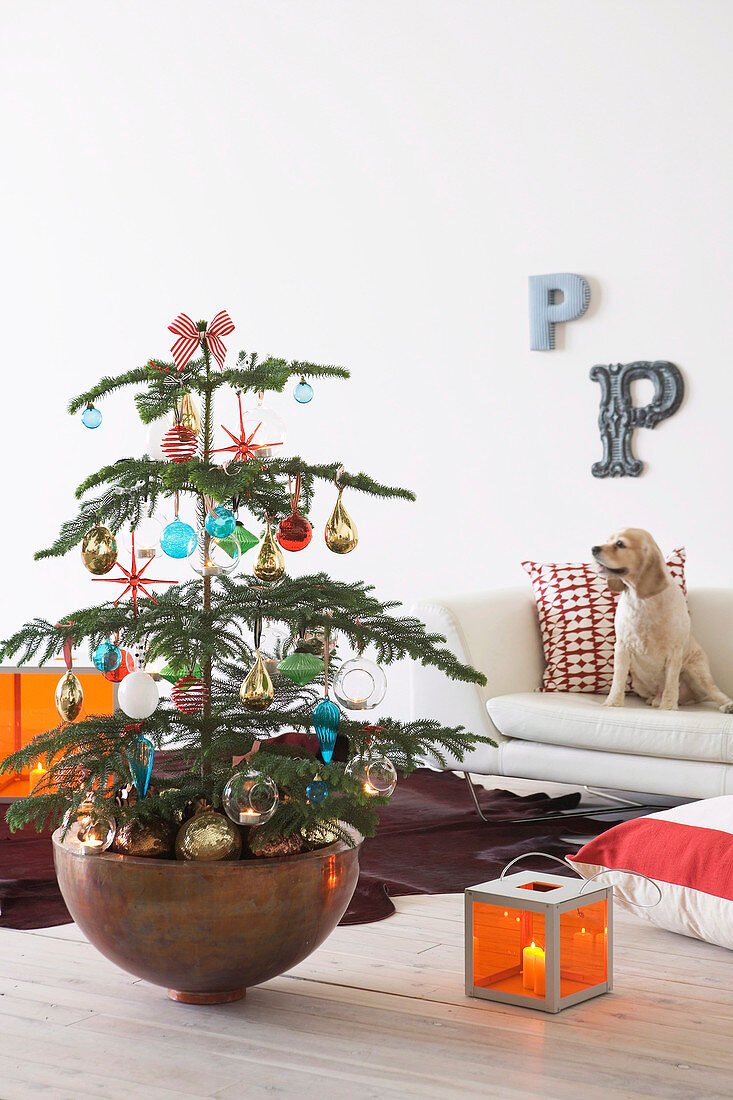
x,y
539,941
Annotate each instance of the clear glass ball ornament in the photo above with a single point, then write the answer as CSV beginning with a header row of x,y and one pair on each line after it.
x,y
376,774
360,684
107,657
220,559
267,431
250,798
179,539
88,833
303,392
91,417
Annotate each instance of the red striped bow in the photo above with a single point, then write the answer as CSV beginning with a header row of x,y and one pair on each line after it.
x,y
188,338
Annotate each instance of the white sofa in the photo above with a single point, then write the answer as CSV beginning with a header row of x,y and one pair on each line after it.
x,y
571,738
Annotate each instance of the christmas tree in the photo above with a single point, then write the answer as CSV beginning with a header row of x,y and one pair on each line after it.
x,y
229,699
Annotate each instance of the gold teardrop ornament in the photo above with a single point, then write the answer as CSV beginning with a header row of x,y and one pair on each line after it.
x,y
269,565
187,414
99,550
341,533
257,691
69,697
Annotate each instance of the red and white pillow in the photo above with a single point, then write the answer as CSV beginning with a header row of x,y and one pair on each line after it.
x,y
576,609
688,852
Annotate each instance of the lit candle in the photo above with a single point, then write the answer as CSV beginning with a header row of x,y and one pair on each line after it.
x,y
582,948
358,703
529,963
35,774
211,569
539,972
246,817
92,846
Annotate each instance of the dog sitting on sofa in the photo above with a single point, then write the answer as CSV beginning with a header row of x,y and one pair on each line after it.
x,y
653,632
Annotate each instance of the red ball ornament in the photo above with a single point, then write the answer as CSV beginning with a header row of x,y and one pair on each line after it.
x,y
179,443
294,532
124,668
189,694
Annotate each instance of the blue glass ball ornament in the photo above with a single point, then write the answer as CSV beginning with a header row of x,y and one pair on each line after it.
x,y
326,719
107,657
91,417
178,539
303,392
316,792
220,523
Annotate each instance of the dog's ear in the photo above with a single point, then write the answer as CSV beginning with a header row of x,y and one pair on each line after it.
x,y
652,577
615,583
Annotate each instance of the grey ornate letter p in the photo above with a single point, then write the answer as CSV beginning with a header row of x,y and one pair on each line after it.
x,y
618,416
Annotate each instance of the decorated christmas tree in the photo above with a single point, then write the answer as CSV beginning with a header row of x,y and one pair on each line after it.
x,y
109,776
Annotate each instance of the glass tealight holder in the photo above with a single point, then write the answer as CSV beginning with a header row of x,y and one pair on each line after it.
x,y
360,684
87,832
250,798
218,561
376,774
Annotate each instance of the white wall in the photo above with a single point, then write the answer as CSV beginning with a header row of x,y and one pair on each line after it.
x,y
370,183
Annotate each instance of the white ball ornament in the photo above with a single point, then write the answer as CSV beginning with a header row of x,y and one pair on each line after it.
x,y
138,696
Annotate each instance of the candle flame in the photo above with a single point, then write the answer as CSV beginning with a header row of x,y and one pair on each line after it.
x,y
533,943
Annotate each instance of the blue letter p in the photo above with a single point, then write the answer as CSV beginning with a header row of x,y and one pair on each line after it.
x,y
544,313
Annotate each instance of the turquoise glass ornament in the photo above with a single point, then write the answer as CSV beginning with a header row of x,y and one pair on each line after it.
x,y
140,759
316,792
178,539
91,417
220,523
326,719
107,657
303,392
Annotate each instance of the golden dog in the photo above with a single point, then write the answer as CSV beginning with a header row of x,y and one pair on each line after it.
x,y
653,632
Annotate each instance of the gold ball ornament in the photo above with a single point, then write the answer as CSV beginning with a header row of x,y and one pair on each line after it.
x,y
280,846
69,697
151,838
208,836
269,565
320,834
99,550
257,691
341,533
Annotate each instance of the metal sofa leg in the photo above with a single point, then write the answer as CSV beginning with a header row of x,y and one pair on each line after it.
x,y
621,805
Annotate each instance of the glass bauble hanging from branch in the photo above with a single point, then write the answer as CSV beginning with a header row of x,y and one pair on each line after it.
x,y
91,417
189,694
220,521
341,534
179,444
179,539
257,691
360,684
376,774
107,656
124,668
69,696
269,564
138,696
140,757
303,392
99,550
294,532
250,798
326,715
301,668
223,557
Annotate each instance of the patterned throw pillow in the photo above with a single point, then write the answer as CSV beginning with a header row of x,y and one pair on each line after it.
x,y
576,610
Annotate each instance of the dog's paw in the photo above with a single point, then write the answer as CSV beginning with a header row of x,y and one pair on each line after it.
x,y
727,708
668,704
610,701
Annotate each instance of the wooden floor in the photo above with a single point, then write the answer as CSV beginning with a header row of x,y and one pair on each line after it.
x,y
378,1011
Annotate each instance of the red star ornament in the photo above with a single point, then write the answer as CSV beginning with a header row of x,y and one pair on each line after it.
x,y
243,448
133,579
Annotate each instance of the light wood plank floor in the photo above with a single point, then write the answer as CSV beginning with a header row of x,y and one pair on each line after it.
x,y
377,1012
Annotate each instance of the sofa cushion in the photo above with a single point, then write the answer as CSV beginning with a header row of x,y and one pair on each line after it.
x,y
688,852
697,732
576,610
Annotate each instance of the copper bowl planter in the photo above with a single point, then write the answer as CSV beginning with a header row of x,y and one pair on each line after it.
x,y
206,931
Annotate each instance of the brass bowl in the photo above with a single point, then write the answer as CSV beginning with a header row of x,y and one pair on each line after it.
x,y
206,931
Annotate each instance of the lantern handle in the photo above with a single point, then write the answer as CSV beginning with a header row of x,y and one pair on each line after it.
x,y
626,871
542,855
586,881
